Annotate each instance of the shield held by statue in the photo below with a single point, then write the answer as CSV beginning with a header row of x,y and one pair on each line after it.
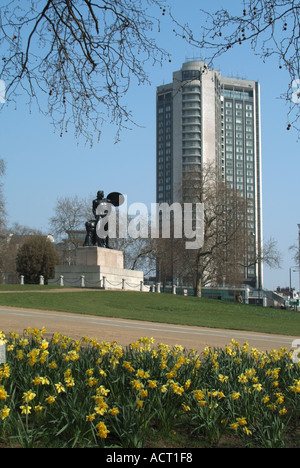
x,y
116,198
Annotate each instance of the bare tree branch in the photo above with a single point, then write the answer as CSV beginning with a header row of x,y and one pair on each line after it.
x,y
76,59
271,27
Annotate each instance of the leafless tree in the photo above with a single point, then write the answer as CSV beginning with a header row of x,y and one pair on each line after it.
x,y
76,58
68,222
139,250
270,255
224,228
271,27
70,215
228,248
224,232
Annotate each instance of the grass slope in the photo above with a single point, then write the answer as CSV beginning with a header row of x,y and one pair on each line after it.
x,y
164,308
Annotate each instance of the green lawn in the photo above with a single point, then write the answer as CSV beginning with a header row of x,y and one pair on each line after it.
x,y
165,308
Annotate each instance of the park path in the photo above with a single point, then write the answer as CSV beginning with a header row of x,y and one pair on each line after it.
x,y
125,332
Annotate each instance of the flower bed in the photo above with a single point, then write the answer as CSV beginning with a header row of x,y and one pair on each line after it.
x,y
61,392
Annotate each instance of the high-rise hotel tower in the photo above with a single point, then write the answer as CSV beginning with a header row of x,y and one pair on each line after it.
x,y
202,118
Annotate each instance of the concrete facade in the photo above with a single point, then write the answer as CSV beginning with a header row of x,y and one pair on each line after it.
x,y
205,118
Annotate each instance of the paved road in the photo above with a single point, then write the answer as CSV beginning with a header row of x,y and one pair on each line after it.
x,y
127,331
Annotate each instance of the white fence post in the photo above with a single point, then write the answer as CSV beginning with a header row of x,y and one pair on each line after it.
x,y
2,352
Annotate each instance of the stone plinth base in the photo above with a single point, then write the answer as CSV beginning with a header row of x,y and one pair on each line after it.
x,y
98,267
92,256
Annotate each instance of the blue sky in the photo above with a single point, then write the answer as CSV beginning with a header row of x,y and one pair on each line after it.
x,y
42,167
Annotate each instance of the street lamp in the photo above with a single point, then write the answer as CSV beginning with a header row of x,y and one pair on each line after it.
x,y
292,270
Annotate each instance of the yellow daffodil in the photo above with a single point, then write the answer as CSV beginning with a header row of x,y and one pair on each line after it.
x,y
223,378
4,413
139,403
92,382
258,387
3,393
242,378
143,393
241,421
102,430
247,431
38,408
234,426
60,388
186,408
28,396
69,381
25,409
20,354
52,365
50,399
152,383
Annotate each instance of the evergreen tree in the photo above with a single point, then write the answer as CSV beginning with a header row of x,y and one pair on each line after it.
x,y
36,257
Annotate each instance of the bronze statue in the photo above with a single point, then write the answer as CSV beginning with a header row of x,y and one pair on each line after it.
x,y
101,208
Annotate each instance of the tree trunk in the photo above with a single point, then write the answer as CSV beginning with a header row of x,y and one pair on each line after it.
x,y
198,280
199,287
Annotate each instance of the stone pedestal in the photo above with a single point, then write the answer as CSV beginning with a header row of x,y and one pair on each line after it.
x,y
92,256
97,267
